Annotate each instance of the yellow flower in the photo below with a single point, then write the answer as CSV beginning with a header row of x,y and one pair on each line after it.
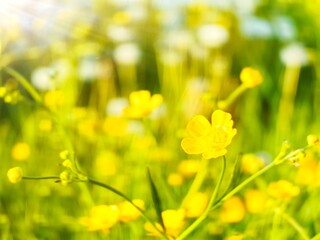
x,y
101,218
283,190
251,163
233,210
255,201
309,172
313,140
142,104
209,140
173,222
175,179
188,168
15,174
20,151
128,212
196,204
250,77
115,126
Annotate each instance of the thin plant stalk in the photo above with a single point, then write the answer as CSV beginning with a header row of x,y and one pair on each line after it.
x,y
204,215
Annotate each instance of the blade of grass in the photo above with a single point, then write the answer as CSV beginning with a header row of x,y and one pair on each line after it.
x,y
156,199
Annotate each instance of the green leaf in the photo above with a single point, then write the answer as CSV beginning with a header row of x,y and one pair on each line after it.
x,y
155,198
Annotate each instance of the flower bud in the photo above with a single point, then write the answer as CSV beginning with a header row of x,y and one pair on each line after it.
x,y
250,77
15,174
313,140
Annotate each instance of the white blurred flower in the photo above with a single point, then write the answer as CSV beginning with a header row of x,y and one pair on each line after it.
x,y
284,28
212,35
42,78
63,69
116,105
294,54
89,68
254,27
245,6
127,53
181,39
119,33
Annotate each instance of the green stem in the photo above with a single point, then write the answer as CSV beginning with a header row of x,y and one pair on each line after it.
x,y
103,185
39,177
246,182
204,215
295,225
24,82
224,104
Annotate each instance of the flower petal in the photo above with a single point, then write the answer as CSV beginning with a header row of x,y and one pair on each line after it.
x,y
155,101
214,154
193,145
220,118
198,126
141,97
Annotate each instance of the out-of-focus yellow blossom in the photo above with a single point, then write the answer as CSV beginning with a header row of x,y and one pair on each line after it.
x,y
309,172
106,163
188,168
233,210
313,140
54,98
196,204
121,18
101,218
250,77
283,190
128,212
255,201
20,151
175,179
251,163
209,140
45,125
87,127
234,237
142,104
173,222
15,174
115,126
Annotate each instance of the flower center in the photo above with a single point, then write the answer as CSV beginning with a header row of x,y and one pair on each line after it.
x,y
217,137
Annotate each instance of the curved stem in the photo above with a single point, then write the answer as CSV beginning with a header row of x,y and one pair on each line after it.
x,y
204,215
34,94
295,225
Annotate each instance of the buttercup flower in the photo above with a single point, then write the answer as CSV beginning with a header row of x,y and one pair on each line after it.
x,y
283,190
20,151
250,77
209,140
233,210
173,222
142,104
101,218
15,174
128,212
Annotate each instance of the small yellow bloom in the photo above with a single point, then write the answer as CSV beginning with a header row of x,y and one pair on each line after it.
x,y
188,168
313,140
15,174
54,98
309,172
20,151
173,222
250,77
115,126
209,140
255,201
128,212
196,204
101,218
234,237
142,104
233,210
283,190
251,163
175,179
